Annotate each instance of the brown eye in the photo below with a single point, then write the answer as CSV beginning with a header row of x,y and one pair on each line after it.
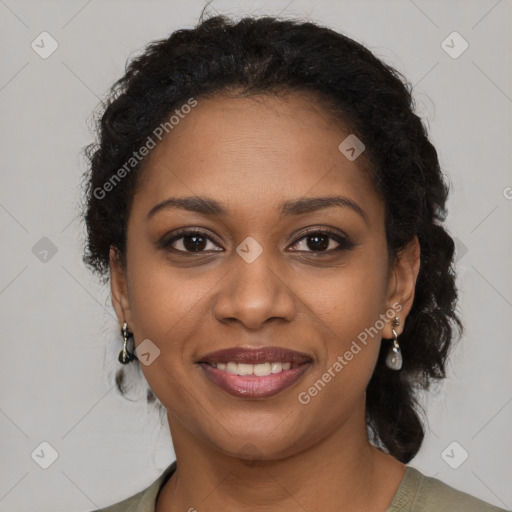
x,y
190,241
194,241
321,241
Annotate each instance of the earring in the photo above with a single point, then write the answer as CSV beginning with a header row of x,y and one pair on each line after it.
x,y
394,357
125,356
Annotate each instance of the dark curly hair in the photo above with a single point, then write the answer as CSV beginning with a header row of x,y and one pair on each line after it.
x,y
269,55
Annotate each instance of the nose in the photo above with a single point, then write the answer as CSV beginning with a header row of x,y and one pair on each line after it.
x,y
254,293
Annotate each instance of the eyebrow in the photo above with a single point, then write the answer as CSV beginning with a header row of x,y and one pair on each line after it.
x,y
300,206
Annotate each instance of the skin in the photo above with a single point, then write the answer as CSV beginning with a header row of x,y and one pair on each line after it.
x,y
273,453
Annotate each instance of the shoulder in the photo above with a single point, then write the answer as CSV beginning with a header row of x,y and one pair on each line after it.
x,y
145,500
421,493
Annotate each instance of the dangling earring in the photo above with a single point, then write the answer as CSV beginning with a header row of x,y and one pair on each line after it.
x,y
394,357
125,356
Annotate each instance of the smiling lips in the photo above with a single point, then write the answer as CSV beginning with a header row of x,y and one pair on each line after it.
x,y
254,373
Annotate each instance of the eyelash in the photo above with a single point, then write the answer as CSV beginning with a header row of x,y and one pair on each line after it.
x,y
344,242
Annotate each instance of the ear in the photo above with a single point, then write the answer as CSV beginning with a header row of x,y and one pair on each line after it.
x,y
401,285
119,287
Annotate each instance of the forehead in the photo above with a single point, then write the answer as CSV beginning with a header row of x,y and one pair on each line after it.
x,y
252,153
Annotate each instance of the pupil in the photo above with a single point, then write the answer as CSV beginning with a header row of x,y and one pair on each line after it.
x,y
194,246
319,242
316,244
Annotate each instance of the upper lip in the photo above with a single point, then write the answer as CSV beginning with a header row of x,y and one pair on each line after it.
x,y
255,356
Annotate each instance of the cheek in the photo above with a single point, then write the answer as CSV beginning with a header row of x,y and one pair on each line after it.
x,y
171,307
164,299
352,297
167,309
348,309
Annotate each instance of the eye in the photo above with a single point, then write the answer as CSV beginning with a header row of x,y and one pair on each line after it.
x,y
190,241
196,241
320,240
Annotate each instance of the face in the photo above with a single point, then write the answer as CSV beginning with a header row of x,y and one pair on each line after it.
x,y
276,280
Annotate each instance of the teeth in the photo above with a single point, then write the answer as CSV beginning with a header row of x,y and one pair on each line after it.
x,y
260,370
277,367
232,368
245,369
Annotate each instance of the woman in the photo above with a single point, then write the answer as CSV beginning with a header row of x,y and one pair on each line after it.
x,y
268,210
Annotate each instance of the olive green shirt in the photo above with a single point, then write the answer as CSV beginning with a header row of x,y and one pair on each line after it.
x,y
416,493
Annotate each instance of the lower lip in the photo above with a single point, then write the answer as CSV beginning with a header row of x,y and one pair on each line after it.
x,y
251,386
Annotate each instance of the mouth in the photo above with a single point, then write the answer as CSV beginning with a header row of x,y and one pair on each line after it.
x,y
254,373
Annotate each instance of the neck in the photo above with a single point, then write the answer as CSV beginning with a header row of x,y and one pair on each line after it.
x,y
343,471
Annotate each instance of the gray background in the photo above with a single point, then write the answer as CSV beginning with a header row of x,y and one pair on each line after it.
x,y
59,334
